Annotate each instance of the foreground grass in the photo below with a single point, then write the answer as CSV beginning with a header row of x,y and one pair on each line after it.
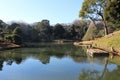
x,y
111,40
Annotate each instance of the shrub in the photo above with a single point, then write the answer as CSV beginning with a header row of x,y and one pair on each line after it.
x,y
16,39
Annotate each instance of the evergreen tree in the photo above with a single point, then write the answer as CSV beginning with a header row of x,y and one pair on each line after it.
x,y
112,12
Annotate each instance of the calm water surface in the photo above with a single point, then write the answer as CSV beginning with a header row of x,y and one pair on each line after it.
x,y
50,61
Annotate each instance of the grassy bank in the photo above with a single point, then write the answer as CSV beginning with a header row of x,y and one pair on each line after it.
x,y
109,41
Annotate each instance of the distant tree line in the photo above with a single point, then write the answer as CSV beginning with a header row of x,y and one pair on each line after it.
x,y
19,32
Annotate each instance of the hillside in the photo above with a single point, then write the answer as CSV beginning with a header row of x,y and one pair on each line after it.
x,y
109,41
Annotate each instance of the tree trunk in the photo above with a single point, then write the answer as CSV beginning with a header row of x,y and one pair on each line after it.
x,y
106,30
105,25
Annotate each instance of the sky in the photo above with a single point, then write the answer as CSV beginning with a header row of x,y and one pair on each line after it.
x,y
30,11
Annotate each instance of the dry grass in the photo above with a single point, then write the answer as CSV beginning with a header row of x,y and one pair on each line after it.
x,y
111,40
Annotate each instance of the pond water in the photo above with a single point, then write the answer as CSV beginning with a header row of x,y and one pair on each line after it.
x,y
50,61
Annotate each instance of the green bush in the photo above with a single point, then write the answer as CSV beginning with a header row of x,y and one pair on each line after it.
x,y
9,38
16,39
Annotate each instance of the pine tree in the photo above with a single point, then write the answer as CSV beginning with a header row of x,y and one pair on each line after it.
x,y
112,12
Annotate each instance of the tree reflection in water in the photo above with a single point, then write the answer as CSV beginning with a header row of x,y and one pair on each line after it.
x,y
1,64
89,75
105,74
96,75
44,52
93,74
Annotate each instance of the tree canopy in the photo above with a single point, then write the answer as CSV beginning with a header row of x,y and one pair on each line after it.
x,y
94,10
112,12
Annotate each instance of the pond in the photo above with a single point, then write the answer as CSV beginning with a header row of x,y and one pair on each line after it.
x,y
51,61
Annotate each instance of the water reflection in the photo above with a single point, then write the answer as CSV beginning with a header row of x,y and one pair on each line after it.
x,y
56,62
43,54
109,71
96,75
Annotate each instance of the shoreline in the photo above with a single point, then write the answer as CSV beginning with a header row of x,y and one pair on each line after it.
x,y
90,44
8,46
